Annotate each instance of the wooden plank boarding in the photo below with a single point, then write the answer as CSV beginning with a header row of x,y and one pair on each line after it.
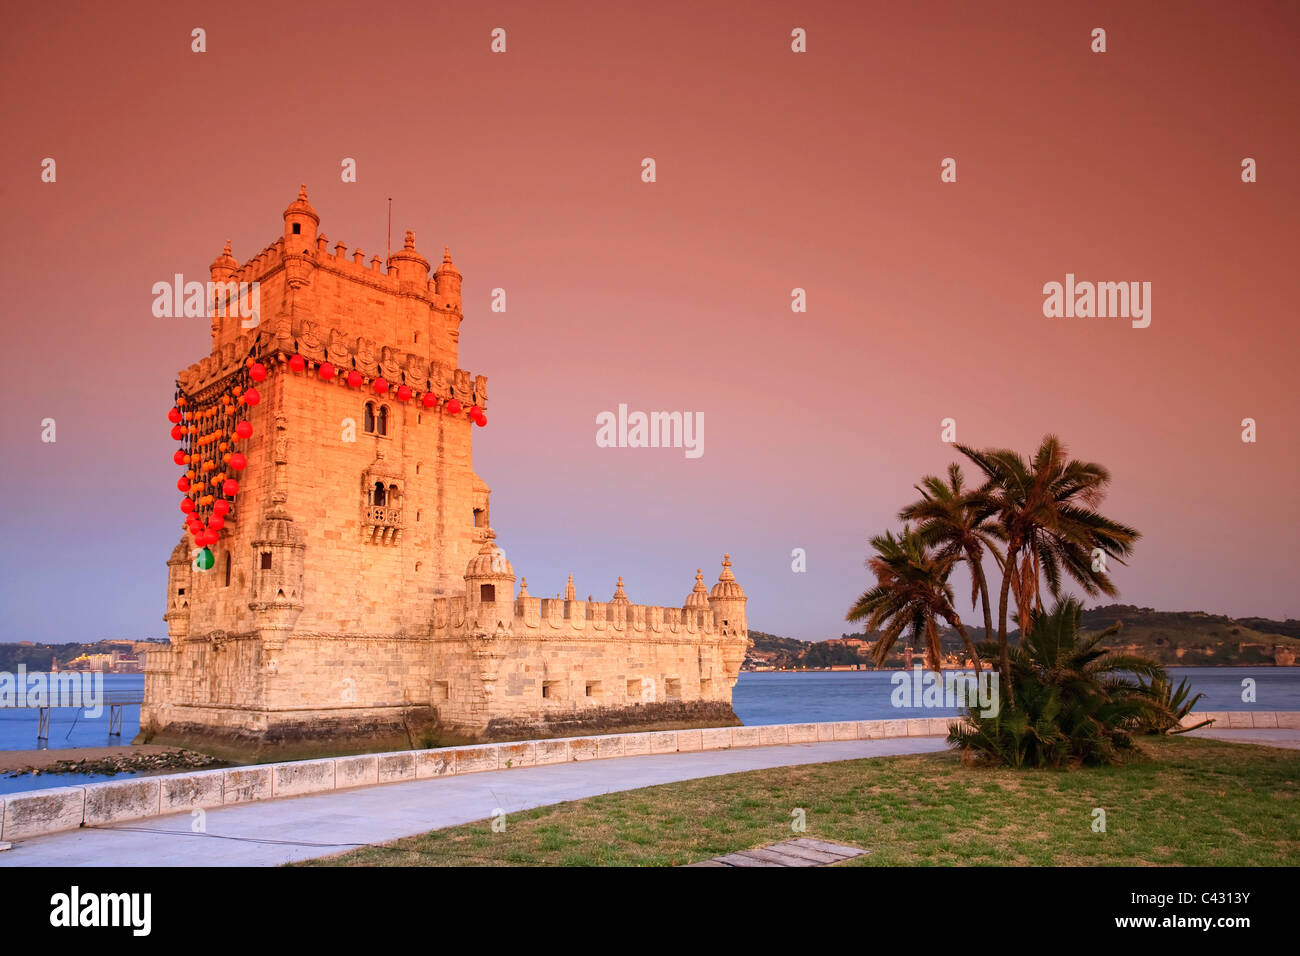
x,y
801,852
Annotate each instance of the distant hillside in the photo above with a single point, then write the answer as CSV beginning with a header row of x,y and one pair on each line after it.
x,y
1193,637
1183,638
37,657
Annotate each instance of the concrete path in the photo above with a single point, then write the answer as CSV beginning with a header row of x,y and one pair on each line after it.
x,y
299,828
1290,739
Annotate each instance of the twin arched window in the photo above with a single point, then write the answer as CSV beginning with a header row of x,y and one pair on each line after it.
x,y
376,419
381,496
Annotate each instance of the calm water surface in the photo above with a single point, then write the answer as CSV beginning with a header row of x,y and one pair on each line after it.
x,y
773,697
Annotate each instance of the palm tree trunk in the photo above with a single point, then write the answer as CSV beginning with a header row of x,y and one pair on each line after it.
x,y
932,658
1008,570
977,566
955,620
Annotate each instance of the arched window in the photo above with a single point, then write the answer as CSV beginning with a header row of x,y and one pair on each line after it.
x,y
383,420
392,496
370,417
378,495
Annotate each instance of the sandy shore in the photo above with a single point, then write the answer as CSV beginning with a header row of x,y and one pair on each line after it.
x,y
11,760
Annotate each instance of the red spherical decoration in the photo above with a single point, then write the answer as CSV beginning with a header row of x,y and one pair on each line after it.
x,y
230,488
453,407
481,420
187,505
179,457
354,378
220,508
243,430
182,484
380,386
177,432
475,411
250,397
238,462
429,400
257,372
326,371
297,363
403,393
216,522
174,415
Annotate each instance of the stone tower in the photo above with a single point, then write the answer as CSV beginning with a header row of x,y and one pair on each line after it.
x,y
339,579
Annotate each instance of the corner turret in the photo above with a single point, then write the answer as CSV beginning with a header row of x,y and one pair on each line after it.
x,y
446,282
407,264
728,602
490,588
278,553
300,224
179,573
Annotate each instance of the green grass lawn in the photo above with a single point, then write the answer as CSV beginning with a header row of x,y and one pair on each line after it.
x,y
1184,801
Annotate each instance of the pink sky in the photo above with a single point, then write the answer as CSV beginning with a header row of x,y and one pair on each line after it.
x,y
775,170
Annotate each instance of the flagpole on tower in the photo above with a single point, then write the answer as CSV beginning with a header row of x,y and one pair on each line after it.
x,y
390,231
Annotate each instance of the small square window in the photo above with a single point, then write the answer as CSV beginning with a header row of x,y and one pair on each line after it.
x,y
266,560
297,228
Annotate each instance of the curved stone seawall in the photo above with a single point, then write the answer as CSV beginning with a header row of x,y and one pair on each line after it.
x,y
38,812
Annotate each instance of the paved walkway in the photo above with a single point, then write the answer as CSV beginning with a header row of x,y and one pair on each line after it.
x,y
1290,739
299,828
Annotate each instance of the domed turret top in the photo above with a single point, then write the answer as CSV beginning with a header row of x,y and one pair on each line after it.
x,y
620,596
727,588
301,206
418,270
447,265
490,560
699,597
225,261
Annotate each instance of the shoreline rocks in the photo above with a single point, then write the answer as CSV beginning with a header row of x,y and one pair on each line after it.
x,y
141,763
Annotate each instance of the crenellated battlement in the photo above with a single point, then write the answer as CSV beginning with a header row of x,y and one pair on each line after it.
x,y
401,275
298,277
558,619
317,345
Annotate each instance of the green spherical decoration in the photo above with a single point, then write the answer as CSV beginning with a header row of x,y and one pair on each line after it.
x,y
204,559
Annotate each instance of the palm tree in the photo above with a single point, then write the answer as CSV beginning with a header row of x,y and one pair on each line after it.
x,y
1047,517
959,522
911,594
1078,701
